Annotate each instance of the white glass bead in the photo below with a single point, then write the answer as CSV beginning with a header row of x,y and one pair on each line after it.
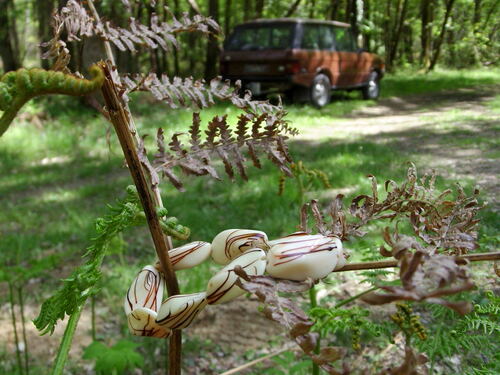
x,y
141,322
146,291
189,255
222,286
300,256
177,312
229,244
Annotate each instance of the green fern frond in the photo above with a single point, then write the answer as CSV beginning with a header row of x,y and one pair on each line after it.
x,y
353,322
84,281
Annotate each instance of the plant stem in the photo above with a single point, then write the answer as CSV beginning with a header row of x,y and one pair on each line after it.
x,y
65,346
394,263
25,339
14,326
121,121
175,339
313,302
92,312
355,297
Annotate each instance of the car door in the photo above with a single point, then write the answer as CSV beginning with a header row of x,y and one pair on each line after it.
x,y
311,46
346,56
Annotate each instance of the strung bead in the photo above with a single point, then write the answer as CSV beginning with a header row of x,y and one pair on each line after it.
x,y
300,256
178,311
141,322
189,255
229,244
146,290
142,302
222,287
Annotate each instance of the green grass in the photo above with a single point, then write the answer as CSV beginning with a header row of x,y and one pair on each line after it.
x,y
411,82
57,179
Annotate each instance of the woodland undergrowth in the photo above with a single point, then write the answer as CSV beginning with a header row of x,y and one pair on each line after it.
x,y
428,233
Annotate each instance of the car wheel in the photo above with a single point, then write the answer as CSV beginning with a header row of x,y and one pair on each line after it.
x,y
372,88
320,91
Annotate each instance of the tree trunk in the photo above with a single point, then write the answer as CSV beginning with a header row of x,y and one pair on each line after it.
x,y
352,18
8,52
348,10
193,47
398,28
177,14
44,10
367,17
212,45
477,13
425,33
387,34
489,13
292,8
437,49
408,43
312,8
259,8
247,9
334,9
227,17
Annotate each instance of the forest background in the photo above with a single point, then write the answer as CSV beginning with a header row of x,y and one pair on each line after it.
x,y
408,33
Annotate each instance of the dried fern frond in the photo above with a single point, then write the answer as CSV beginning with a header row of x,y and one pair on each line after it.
x,y
76,21
427,278
178,92
264,132
441,223
288,314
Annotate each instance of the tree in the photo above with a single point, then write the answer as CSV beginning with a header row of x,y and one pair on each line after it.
x,y
9,51
212,45
397,29
426,32
439,42
292,8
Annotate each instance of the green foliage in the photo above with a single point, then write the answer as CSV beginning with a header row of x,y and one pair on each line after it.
x,y
343,322
288,364
84,281
114,360
305,178
20,274
16,88
373,277
476,334
408,322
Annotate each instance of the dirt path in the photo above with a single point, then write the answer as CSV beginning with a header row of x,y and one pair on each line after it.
x,y
457,133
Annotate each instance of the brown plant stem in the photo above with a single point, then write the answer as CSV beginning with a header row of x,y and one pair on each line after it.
x,y
131,124
14,327
175,338
120,121
23,326
394,263
256,361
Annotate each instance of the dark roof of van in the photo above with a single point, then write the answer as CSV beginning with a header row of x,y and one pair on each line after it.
x,y
296,20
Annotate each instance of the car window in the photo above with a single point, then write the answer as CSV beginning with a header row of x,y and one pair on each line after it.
x,y
344,40
311,37
317,37
326,37
261,38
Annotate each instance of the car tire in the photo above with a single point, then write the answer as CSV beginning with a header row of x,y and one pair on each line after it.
x,y
371,90
320,91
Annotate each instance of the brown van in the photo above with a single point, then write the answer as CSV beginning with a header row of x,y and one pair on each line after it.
x,y
302,58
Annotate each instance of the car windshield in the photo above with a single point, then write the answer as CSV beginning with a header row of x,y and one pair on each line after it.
x,y
260,37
